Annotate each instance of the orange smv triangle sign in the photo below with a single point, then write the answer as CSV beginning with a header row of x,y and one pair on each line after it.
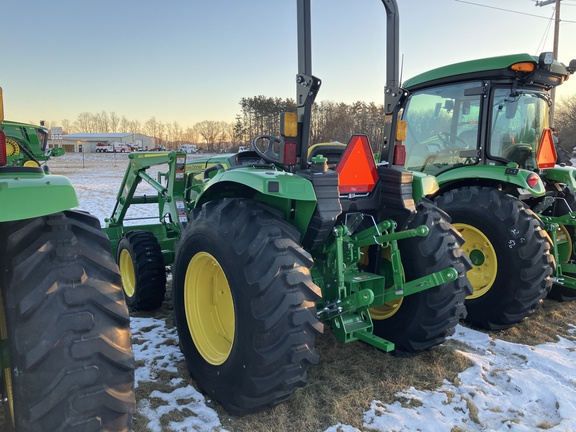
x,y
357,168
546,156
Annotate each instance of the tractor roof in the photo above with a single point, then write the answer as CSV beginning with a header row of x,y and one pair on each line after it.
x,y
493,68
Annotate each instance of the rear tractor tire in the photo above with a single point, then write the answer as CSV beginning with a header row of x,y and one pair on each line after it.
x,y
244,305
423,320
510,253
142,270
63,317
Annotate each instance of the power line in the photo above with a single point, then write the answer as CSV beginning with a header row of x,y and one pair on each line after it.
x,y
512,11
546,32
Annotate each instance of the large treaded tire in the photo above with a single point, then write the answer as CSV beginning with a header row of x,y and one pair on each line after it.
x,y
425,319
523,266
143,272
273,304
67,326
562,156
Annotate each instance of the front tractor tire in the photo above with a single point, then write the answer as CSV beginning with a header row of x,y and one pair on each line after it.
x,y
244,305
68,364
142,270
510,254
421,321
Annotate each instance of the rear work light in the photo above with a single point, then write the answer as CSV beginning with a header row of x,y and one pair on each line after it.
x,y
3,157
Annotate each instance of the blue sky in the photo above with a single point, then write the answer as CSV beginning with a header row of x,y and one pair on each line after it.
x,y
192,60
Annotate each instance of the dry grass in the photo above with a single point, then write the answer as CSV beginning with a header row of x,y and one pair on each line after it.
x,y
553,319
347,379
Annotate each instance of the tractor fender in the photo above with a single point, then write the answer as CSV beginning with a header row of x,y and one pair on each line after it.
x,y
293,195
509,174
562,174
423,185
28,193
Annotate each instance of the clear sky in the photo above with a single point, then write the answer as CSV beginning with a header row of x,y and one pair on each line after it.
x,y
193,60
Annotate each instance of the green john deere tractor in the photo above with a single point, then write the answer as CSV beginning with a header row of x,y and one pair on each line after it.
x,y
482,128
266,246
66,359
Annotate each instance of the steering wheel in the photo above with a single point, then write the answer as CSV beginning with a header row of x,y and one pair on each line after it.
x,y
445,138
269,141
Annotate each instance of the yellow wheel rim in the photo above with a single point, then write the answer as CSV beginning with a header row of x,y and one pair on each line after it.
x,y
31,164
209,308
483,256
12,147
564,243
7,374
387,310
127,273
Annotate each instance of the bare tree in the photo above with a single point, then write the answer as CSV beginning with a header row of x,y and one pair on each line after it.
x,y
190,135
114,122
102,122
85,122
124,124
151,128
209,130
66,126
565,122
134,126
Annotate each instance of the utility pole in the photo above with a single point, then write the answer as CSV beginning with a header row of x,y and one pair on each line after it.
x,y
555,46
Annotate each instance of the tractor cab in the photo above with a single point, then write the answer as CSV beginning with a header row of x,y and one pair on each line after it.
x,y
489,112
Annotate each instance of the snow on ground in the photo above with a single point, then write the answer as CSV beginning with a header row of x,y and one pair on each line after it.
x,y
510,387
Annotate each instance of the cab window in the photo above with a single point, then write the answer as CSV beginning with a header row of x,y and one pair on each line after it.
x,y
442,127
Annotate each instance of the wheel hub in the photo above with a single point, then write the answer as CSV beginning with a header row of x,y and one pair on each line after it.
x,y
483,257
209,308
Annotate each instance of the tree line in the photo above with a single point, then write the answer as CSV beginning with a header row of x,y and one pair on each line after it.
x,y
260,115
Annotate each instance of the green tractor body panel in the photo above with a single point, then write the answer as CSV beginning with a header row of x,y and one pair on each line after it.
x,y
289,193
511,175
562,174
423,185
37,194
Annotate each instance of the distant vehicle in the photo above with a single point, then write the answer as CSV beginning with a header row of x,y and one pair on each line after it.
x,y
119,147
104,148
114,147
189,148
243,148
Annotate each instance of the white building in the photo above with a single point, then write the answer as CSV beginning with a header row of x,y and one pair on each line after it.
x,y
88,141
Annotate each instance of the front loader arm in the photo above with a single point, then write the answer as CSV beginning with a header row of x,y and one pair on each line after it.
x,y
168,196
